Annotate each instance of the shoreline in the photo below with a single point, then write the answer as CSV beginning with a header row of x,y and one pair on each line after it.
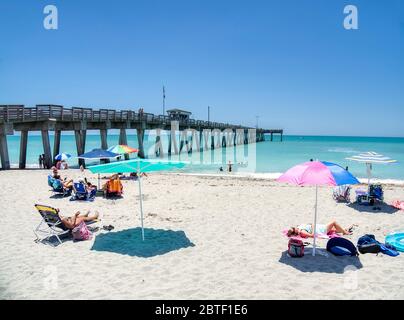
x,y
271,176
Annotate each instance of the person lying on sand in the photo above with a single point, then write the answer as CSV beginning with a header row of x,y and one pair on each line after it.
x,y
72,222
306,230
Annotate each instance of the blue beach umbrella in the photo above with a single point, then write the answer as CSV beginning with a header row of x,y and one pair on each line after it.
x,y
98,154
62,156
137,166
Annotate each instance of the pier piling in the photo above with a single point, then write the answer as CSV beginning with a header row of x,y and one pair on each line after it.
x,y
57,118
123,140
5,160
23,149
140,138
56,144
46,149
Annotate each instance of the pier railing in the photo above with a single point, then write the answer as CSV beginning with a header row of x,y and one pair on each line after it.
x,y
20,113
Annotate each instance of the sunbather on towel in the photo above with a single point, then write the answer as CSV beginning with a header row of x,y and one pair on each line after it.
x,y
72,222
306,230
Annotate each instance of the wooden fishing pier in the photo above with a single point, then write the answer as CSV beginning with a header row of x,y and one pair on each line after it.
x,y
46,118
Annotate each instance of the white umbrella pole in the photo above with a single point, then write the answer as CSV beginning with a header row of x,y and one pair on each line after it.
x,y
369,172
99,186
141,204
315,224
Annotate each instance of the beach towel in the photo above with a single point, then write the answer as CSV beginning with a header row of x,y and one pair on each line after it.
x,y
398,204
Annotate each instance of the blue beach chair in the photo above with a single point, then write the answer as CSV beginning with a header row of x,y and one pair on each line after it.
x,y
57,187
81,193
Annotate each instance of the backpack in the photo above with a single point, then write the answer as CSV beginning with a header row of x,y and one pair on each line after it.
x,y
296,248
81,232
368,244
341,247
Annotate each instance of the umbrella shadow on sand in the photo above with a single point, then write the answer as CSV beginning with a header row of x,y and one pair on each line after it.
x,y
377,208
129,242
328,264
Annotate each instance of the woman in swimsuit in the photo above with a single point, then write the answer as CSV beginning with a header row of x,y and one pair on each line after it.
x,y
72,222
306,231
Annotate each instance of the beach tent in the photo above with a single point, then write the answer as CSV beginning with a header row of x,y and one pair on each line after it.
x,y
98,154
317,173
370,158
137,166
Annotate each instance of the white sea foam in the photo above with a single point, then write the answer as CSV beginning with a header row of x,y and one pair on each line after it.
x,y
343,150
276,175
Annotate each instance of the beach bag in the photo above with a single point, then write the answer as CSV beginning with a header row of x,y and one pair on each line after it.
x,y
81,232
368,244
389,249
341,247
296,248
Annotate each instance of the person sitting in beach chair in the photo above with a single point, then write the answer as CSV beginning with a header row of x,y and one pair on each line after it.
x,y
342,193
376,192
371,195
54,225
58,186
72,222
306,230
66,183
84,191
113,187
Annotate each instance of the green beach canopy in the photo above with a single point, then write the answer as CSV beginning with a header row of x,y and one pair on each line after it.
x,y
137,166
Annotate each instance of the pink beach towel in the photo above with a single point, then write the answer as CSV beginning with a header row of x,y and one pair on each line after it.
x,y
398,204
319,235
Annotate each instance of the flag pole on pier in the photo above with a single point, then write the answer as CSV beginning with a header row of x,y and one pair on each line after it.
x,y
164,100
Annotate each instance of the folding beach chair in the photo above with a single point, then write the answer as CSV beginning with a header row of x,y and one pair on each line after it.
x,y
376,192
57,187
114,188
371,196
50,225
342,193
81,193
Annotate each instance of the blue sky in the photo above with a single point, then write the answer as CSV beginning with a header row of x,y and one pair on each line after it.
x,y
290,62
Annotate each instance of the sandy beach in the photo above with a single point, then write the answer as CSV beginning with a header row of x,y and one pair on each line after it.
x,y
207,237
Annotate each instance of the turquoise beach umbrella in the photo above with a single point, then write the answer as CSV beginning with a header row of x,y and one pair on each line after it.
x,y
137,166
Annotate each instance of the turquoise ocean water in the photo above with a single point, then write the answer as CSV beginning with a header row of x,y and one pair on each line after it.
x,y
271,157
